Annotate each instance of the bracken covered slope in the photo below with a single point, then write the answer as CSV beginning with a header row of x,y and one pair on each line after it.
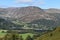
x,y
54,35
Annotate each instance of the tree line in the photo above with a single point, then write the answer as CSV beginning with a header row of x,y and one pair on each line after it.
x,y
15,36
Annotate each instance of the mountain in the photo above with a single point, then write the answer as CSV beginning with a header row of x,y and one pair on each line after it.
x,y
20,12
52,10
26,13
31,15
54,35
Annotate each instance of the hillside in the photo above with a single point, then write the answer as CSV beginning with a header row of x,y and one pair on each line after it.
x,y
25,14
31,16
52,10
7,24
54,35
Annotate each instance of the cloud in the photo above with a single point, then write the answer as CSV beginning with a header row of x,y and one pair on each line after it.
x,y
23,1
38,2
30,2
2,6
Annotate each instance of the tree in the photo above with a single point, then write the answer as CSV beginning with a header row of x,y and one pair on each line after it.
x,y
21,38
3,32
51,34
29,38
12,36
7,37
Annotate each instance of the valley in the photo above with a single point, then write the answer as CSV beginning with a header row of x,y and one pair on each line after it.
x,y
33,22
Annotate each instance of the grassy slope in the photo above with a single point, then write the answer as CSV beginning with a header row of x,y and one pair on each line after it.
x,y
55,35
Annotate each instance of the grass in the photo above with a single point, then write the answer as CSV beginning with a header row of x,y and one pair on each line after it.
x,y
55,35
23,35
2,34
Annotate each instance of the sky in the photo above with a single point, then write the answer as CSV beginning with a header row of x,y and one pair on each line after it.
x,y
23,3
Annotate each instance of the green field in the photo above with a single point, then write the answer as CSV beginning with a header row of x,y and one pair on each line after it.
x,y
2,34
23,35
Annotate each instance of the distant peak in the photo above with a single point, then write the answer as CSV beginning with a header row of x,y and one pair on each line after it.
x,y
53,9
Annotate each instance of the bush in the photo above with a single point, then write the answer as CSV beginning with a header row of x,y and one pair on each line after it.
x,y
51,34
21,38
29,38
3,31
